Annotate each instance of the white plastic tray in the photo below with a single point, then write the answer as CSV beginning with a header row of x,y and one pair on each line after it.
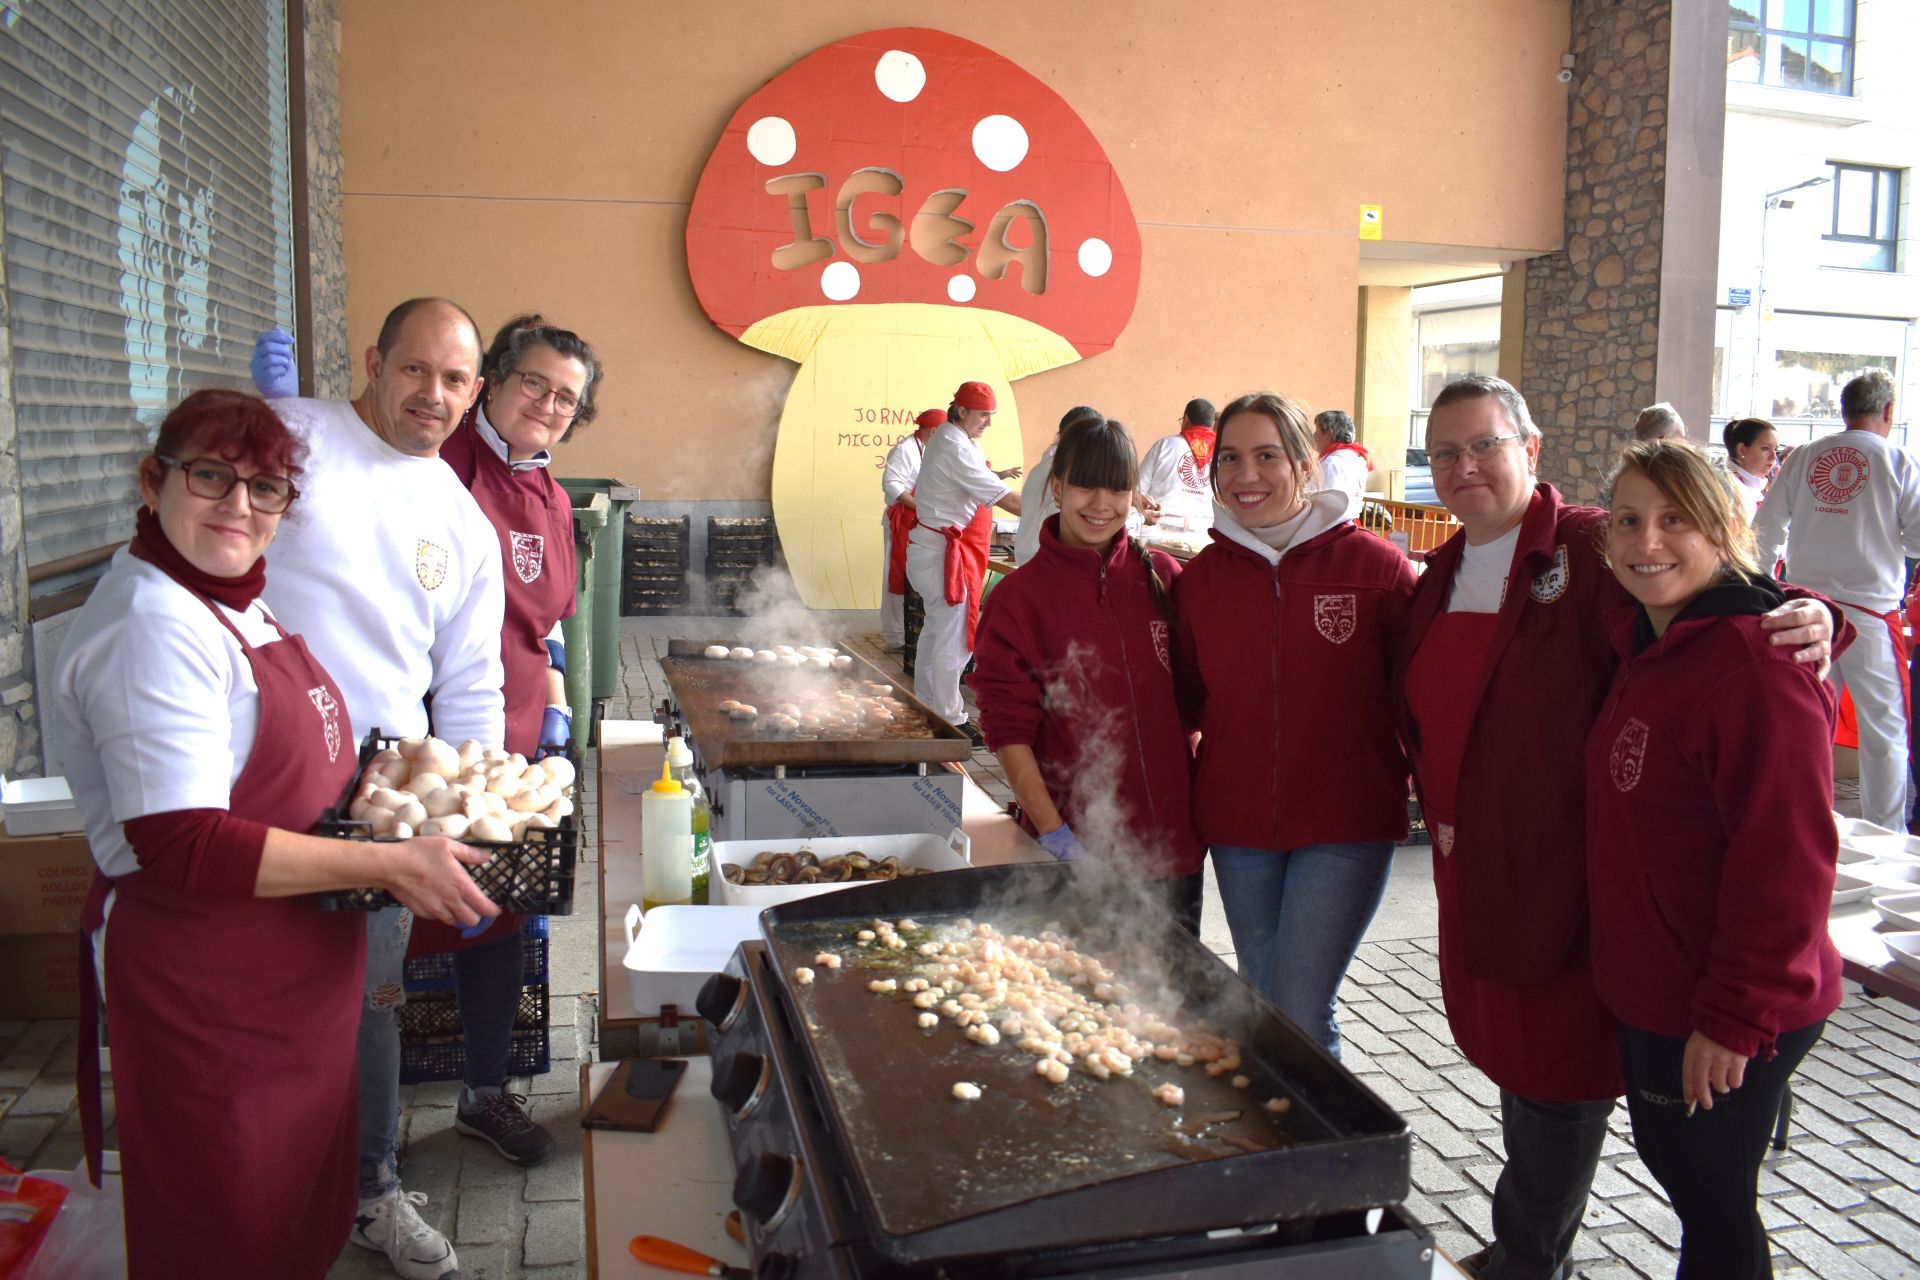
x,y
1850,888
1905,950
672,951
1888,846
1893,877
930,852
1901,910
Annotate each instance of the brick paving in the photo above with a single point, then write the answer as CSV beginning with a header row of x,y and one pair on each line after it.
x,y
1841,1203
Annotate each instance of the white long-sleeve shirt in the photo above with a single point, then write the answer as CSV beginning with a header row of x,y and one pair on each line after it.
x,y
1344,471
1170,476
1845,510
1036,504
955,481
901,471
391,572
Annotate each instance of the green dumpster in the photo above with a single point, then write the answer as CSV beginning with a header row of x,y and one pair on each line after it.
x,y
609,551
589,521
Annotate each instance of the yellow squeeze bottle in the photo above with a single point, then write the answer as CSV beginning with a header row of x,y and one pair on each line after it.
x,y
666,843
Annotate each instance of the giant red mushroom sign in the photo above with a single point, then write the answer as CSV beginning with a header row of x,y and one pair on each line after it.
x,y
900,212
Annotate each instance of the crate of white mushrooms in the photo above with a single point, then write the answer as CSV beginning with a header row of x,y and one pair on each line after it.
x,y
519,811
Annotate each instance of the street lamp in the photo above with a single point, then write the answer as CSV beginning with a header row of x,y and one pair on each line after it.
x,y
1769,203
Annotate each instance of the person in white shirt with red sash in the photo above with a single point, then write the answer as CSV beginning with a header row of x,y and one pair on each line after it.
x,y
947,551
1343,463
897,479
1173,474
1845,511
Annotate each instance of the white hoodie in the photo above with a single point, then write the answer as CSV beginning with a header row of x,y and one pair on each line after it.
x,y
1323,511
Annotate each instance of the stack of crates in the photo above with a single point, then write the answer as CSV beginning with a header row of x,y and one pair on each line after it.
x,y
737,548
656,562
432,1044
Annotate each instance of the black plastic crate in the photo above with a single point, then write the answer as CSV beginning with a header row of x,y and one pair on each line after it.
x,y
428,1058
435,1014
1417,832
533,876
648,593
435,972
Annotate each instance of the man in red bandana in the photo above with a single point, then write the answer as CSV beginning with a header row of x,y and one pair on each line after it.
x,y
1173,475
1343,463
947,550
898,477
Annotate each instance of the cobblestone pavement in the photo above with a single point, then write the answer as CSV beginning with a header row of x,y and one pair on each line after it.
x,y
1842,1203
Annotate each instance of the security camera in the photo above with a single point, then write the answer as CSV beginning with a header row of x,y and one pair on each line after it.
x,y
1563,76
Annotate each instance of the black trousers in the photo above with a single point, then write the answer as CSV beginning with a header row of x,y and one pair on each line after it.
x,y
1553,1149
1709,1162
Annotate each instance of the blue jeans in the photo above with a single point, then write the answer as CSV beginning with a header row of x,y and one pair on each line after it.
x,y
487,985
1297,916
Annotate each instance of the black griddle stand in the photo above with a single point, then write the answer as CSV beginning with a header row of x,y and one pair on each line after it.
x,y
803,1224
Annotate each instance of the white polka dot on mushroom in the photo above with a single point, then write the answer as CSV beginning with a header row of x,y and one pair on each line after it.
x,y
840,281
1000,142
1096,257
900,75
960,288
770,140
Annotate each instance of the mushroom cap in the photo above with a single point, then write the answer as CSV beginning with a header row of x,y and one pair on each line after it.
x,y
942,113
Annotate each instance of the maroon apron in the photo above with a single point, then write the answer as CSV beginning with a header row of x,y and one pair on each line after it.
x,y
1554,1041
234,1024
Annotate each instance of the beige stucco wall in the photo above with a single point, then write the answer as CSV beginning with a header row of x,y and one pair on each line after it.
x,y
542,157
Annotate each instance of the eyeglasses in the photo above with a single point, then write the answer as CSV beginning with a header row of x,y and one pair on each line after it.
x,y
214,480
536,388
1446,458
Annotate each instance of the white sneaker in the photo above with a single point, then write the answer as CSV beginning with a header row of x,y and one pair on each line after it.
x,y
393,1226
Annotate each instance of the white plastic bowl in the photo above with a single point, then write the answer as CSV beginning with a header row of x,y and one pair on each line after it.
x,y
1901,910
1850,888
1905,949
1888,846
1898,877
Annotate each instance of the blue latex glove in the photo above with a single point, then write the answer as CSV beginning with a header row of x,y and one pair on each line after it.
x,y
475,930
1063,844
556,730
274,372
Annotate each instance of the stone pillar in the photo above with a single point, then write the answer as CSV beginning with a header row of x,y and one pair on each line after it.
x,y
1382,397
326,237
19,721
1623,316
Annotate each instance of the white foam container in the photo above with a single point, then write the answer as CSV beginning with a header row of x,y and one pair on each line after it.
x,y
1894,877
1888,846
39,807
1905,950
673,950
1850,888
1901,910
925,851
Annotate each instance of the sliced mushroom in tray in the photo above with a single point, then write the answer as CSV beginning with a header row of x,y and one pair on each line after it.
x,y
804,868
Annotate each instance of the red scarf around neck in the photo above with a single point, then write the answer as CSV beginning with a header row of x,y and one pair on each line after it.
x,y
150,543
1200,440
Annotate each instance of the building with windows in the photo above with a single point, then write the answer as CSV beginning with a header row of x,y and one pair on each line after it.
x,y
1818,278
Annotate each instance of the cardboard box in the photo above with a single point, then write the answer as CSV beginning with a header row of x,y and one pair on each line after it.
x,y
43,883
40,976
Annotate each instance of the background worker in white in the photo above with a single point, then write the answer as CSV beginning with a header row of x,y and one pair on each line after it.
x,y
897,478
1173,474
1846,510
1036,495
393,575
1343,463
947,552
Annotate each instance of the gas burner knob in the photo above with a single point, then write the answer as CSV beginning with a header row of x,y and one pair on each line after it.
x,y
721,1000
740,1081
775,1266
767,1188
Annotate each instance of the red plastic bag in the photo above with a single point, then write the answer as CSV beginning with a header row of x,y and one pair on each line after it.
x,y
27,1209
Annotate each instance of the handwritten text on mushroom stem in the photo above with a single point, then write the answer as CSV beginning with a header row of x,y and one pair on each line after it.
x,y
934,235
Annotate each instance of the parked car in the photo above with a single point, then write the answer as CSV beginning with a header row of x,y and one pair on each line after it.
x,y
1419,479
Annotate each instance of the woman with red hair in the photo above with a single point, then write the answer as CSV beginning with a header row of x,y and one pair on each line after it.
x,y
202,741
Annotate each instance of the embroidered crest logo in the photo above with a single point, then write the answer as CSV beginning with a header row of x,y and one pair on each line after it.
x,y
429,564
1629,754
1552,584
1335,617
1188,471
1443,837
1158,630
528,551
1837,475
329,711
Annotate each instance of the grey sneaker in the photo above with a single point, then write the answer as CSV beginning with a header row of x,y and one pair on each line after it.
x,y
502,1119
392,1225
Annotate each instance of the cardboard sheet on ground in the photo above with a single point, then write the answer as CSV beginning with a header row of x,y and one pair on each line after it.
x,y
900,212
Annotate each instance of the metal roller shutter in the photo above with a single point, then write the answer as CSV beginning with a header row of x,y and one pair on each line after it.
x,y
146,173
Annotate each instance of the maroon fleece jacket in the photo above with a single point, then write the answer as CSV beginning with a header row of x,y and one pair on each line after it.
x,y
1710,835
1072,660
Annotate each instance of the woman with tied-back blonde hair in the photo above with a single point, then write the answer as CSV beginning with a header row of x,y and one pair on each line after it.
x,y
1284,631
1711,849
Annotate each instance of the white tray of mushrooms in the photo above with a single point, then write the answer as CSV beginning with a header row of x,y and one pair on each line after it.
x,y
484,795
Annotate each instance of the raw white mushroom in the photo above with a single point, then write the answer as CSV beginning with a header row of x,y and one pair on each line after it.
x,y
530,800
559,771
503,785
453,826
535,776
387,798
401,831
447,800
437,757
380,821
469,752
359,809
559,809
490,828
412,813
740,653
716,651
425,784
540,821
783,650
765,655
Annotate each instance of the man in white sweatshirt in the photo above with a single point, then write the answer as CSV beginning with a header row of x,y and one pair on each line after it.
x,y
1846,511
392,575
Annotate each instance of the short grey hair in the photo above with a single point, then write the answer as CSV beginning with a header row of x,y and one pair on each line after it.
x,y
1657,422
1867,396
1336,423
1473,386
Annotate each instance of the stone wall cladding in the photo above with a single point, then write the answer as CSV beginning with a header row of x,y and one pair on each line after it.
x,y
1593,310
19,722
326,236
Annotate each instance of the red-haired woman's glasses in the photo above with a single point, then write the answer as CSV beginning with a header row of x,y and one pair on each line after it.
x,y
213,480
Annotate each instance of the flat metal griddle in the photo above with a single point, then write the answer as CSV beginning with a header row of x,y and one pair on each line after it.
x,y
1032,1165
700,684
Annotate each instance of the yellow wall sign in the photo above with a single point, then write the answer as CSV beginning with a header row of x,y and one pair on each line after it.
x,y
1370,222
